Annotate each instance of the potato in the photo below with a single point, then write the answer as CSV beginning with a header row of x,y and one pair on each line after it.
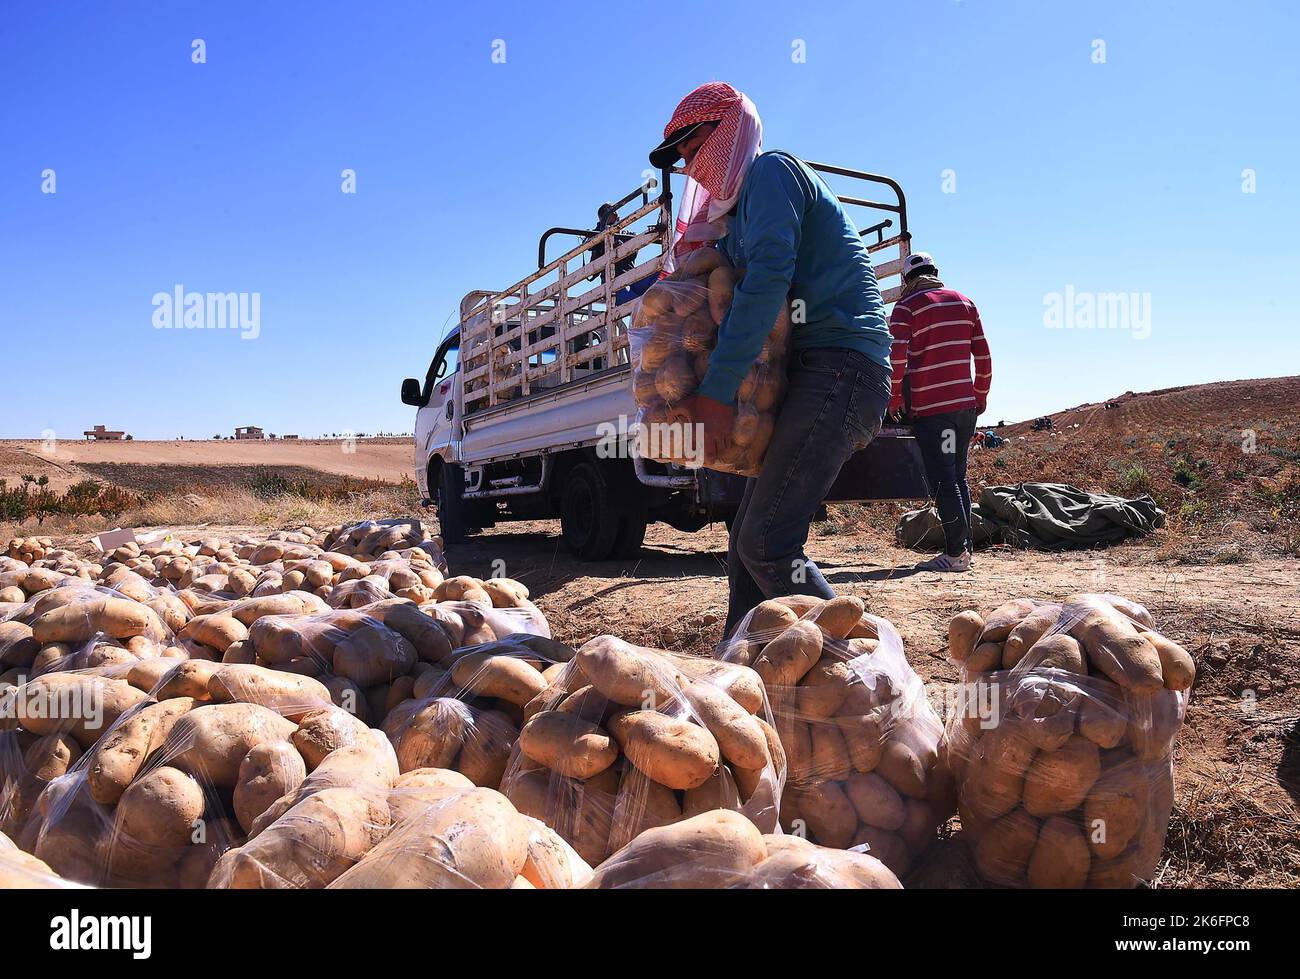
x,y
551,863
839,615
504,676
876,801
739,737
700,262
117,758
964,629
902,768
433,736
1113,644
1058,781
1116,809
713,849
79,622
1032,628
824,810
722,284
486,751
788,657
1101,724
161,808
1176,664
627,675
324,730
79,704
1003,852
188,678
567,744
290,694
1060,857
998,625
215,738
769,619
415,791
669,750
985,657
270,770
217,631
429,634
864,738
830,755
310,845
1058,651
581,812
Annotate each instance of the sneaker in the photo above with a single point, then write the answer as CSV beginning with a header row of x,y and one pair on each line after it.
x,y
946,562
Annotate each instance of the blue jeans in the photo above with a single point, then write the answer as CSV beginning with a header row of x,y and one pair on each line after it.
x,y
833,407
944,441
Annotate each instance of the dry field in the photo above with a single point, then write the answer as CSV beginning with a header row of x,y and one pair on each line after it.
x,y
132,464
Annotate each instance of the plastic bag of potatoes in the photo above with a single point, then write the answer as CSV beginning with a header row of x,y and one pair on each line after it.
x,y
860,736
673,332
624,739
1062,739
463,713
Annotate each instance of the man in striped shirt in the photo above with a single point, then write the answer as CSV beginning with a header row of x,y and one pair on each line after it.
x,y
936,333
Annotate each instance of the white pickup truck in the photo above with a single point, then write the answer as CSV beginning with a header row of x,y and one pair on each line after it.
x,y
525,410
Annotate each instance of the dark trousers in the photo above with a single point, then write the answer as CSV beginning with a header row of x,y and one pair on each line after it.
x,y
833,407
944,441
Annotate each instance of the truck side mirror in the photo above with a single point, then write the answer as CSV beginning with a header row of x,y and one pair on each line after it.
x,y
411,393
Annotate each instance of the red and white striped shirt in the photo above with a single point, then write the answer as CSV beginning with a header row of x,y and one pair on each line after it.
x,y
936,332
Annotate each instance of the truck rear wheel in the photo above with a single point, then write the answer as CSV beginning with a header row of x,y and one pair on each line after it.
x,y
631,533
589,519
451,505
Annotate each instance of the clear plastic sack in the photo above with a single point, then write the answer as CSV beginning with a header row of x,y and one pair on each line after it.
x,y
673,332
862,740
624,739
1062,737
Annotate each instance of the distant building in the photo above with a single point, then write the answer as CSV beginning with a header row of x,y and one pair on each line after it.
x,y
99,433
288,436
249,432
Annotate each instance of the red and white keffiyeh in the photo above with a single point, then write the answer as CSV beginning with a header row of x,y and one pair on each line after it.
x,y
717,173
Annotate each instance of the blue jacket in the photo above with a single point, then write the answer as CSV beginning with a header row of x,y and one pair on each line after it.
x,y
792,237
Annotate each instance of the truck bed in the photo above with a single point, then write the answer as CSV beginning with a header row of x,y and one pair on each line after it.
x,y
574,414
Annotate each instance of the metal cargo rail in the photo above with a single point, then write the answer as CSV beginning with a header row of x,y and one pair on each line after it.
x,y
548,330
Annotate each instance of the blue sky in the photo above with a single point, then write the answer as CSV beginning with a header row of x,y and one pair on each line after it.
x,y
1122,176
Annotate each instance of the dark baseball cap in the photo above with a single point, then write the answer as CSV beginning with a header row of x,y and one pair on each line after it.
x,y
666,154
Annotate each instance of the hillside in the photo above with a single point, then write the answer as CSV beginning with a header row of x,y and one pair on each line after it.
x,y
1222,459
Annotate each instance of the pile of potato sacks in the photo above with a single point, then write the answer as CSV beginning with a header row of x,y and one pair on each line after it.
x,y
330,709
1062,742
673,332
147,730
862,740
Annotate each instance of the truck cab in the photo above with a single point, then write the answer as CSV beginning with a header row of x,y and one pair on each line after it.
x,y
526,409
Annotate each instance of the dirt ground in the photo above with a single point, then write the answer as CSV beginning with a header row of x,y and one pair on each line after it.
x,y
1237,817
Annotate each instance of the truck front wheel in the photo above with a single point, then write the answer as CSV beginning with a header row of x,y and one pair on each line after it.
x,y
451,505
589,519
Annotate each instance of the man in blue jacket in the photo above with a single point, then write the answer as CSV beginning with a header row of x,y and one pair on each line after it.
x,y
775,218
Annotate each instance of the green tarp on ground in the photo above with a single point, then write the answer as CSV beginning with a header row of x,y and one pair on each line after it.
x,y
1040,516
